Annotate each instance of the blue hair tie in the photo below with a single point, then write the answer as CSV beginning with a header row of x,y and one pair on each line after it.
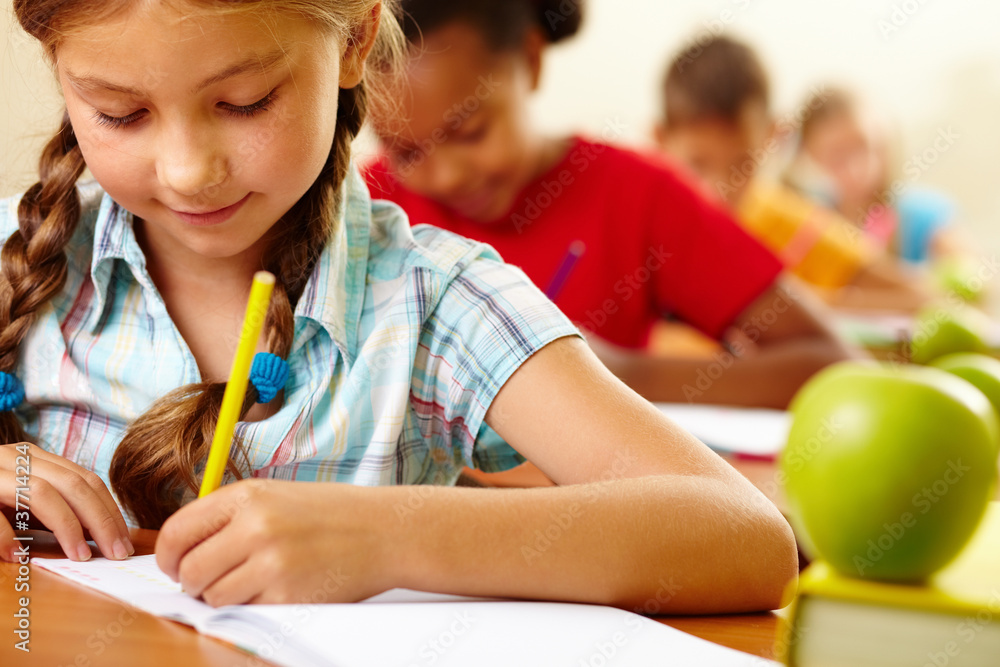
x,y
268,374
11,392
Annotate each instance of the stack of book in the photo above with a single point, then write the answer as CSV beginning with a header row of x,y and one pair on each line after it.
x,y
952,620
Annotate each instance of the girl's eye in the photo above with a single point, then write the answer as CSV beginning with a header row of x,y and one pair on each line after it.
x,y
472,137
249,110
117,122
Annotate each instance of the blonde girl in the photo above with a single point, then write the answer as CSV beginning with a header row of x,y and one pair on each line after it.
x,y
219,134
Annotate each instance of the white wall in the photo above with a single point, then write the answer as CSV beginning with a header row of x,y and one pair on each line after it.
x,y
940,69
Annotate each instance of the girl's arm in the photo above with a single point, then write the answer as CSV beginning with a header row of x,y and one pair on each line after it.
x,y
647,517
781,340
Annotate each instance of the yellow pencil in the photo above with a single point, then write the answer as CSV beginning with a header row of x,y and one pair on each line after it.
x,y
236,387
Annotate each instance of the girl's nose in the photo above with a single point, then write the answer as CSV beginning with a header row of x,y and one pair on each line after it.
x,y
189,162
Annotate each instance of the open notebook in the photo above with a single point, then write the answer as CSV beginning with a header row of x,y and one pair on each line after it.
x,y
755,433
406,628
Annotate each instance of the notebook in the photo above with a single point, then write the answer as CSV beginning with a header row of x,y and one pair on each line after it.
x,y
953,620
754,433
407,628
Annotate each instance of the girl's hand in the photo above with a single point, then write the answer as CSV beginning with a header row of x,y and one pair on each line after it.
x,y
264,541
66,498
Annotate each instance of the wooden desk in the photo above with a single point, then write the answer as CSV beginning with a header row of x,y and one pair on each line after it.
x,y
73,625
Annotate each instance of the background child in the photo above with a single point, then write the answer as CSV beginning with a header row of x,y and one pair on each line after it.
x,y
219,135
717,120
618,240
844,161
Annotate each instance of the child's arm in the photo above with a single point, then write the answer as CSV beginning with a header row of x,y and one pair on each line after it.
x,y
784,340
648,517
59,496
882,285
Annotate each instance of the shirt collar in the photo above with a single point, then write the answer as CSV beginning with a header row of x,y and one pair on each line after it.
x,y
333,296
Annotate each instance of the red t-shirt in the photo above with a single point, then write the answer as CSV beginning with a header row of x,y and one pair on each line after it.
x,y
648,246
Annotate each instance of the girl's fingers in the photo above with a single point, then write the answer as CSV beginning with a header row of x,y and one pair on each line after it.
x,y
193,524
240,585
210,561
7,537
48,505
75,488
95,482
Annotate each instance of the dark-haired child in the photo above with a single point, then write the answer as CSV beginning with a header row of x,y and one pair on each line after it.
x,y
717,120
618,240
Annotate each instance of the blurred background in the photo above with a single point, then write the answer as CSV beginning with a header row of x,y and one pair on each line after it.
x,y
929,66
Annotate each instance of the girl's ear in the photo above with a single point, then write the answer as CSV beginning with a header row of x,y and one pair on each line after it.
x,y
352,62
534,46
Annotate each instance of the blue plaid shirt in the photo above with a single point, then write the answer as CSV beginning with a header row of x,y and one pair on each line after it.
x,y
402,339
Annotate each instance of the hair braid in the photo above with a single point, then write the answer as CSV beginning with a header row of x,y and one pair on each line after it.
x,y
33,260
157,458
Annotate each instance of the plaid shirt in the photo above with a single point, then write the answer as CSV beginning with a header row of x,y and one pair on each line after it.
x,y
402,339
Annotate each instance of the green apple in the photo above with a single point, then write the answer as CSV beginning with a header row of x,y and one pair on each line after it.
x,y
888,469
944,329
979,369
960,276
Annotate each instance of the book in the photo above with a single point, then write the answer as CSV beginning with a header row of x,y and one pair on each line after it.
x,y
953,620
754,433
405,628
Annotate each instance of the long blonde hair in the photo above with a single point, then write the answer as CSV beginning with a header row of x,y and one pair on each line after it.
x,y
160,451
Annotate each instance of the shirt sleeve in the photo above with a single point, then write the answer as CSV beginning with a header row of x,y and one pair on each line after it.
x,y
922,214
490,320
817,245
714,269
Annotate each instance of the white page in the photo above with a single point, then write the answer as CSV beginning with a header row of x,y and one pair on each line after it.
x,y
492,634
138,581
413,629
756,432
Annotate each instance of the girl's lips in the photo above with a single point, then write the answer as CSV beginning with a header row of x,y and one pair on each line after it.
x,y
209,218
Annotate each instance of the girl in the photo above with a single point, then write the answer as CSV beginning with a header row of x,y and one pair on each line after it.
x,y
219,134
617,240
844,162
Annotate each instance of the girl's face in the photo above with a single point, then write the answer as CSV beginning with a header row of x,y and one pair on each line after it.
x,y
208,128
463,137
848,150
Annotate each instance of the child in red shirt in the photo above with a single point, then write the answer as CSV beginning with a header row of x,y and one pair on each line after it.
x,y
619,241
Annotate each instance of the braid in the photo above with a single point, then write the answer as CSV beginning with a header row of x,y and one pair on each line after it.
x,y
157,458
33,260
